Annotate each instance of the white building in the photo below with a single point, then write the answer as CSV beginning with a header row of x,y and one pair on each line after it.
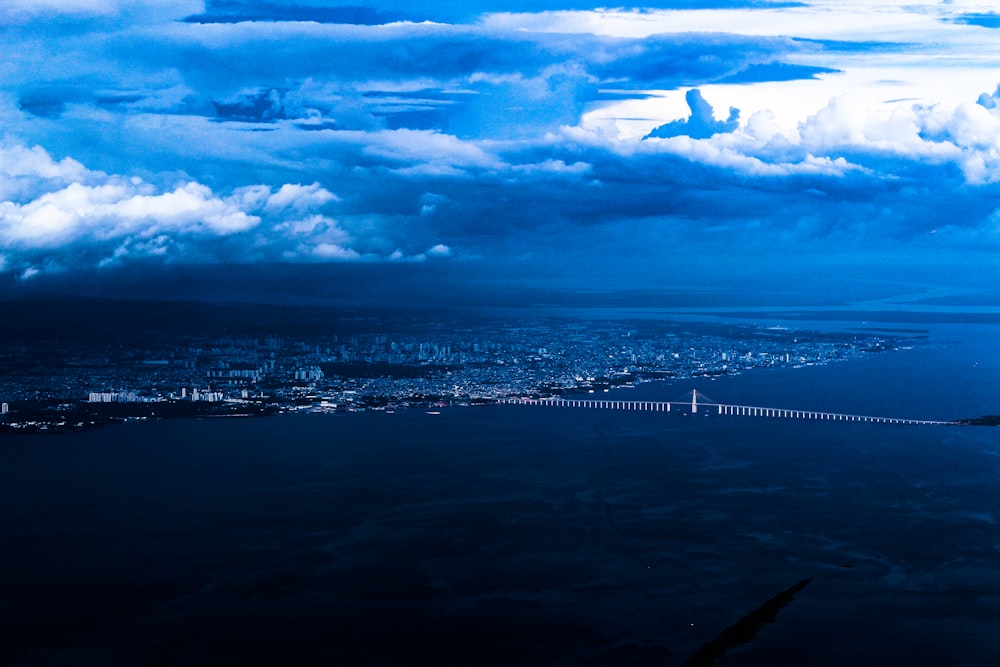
x,y
113,397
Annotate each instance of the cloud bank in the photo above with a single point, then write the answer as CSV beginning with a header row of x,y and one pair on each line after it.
x,y
58,215
497,134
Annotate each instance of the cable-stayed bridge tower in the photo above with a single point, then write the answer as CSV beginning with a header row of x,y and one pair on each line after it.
x,y
696,398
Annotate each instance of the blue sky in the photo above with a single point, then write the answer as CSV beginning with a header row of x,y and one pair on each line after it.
x,y
556,143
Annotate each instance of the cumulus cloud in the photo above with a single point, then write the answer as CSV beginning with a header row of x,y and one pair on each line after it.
x,y
701,124
333,251
298,198
26,173
412,195
118,209
57,213
440,250
989,100
224,137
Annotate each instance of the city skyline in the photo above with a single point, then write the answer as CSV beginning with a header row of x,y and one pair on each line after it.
x,y
150,360
176,146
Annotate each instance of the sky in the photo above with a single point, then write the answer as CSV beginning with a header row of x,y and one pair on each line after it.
x,y
666,146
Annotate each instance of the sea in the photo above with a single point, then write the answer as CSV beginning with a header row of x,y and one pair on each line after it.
x,y
525,535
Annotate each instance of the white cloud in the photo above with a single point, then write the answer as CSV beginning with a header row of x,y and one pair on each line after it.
x,y
553,167
722,153
159,246
885,52
973,126
251,197
299,198
334,251
117,209
432,148
399,256
840,123
56,209
20,161
440,250
27,172
818,19
30,273
132,109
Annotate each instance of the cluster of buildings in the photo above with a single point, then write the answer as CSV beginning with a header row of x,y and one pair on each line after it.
x,y
418,361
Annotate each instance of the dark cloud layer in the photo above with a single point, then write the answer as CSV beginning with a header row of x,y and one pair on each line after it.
x,y
985,20
701,124
234,11
462,80
366,12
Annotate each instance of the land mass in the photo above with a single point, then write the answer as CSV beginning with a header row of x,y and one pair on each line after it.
x,y
75,363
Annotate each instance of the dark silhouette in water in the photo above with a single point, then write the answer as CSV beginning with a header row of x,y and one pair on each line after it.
x,y
745,630
987,420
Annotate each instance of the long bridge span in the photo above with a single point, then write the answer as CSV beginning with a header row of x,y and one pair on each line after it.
x,y
694,406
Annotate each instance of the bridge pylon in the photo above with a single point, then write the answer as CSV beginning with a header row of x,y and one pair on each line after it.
x,y
696,399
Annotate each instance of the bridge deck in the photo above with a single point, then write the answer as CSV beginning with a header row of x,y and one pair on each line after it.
x,y
718,408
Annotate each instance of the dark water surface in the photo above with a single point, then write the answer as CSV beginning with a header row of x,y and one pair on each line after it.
x,y
512,535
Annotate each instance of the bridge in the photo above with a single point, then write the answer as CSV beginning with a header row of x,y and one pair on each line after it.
x,y
704,404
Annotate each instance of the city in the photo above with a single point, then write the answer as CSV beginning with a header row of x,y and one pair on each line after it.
x,y
359,360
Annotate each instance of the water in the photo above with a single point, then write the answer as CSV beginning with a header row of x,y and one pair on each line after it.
x,y
955,374
520,535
